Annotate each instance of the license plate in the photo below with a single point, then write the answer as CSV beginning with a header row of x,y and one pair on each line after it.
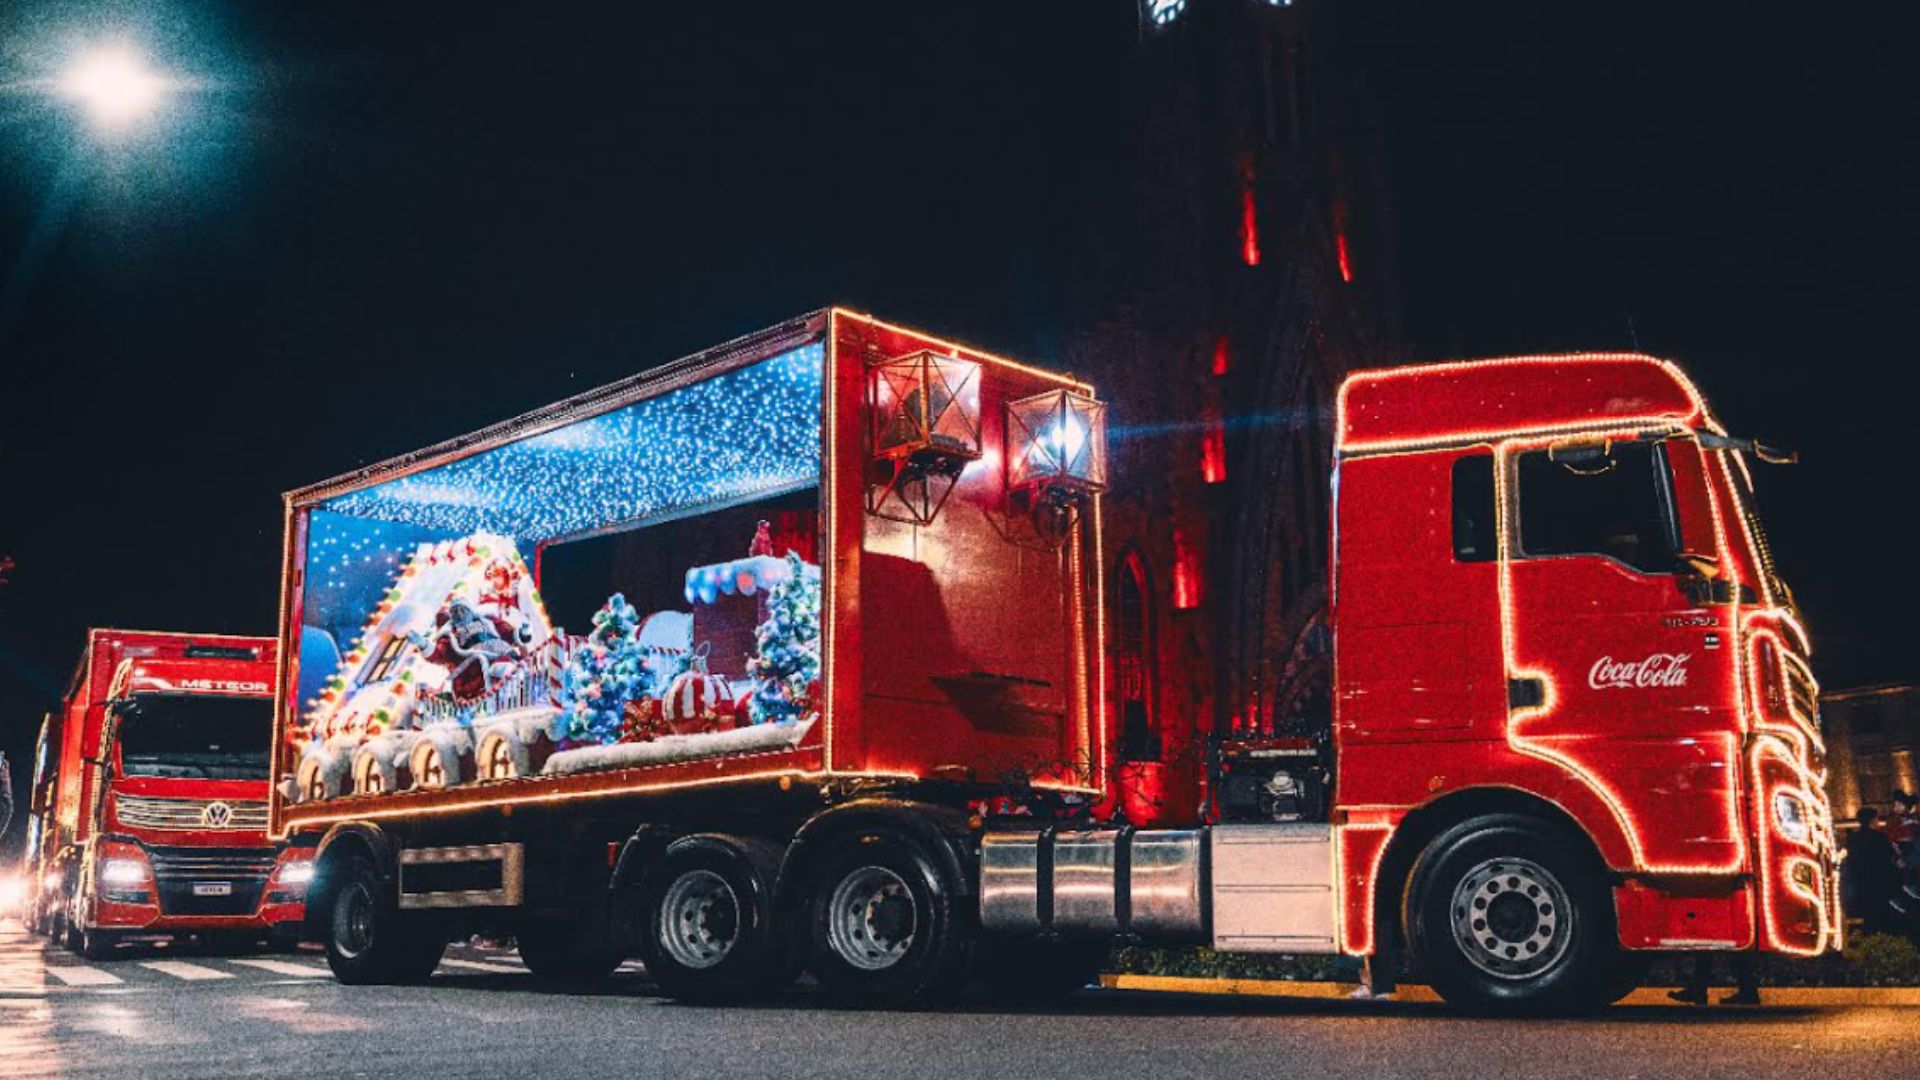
x,y
213,888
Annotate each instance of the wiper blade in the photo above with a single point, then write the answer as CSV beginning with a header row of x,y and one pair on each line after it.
x,y
1772,455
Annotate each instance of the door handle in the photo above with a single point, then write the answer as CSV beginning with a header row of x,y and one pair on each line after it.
x,y
1528,693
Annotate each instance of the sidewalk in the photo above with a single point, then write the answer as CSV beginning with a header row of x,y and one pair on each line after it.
x,y
1791,996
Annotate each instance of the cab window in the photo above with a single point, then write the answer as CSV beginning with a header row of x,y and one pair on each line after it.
x,y
1616,503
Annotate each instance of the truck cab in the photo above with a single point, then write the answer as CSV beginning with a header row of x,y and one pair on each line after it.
x,y
1572,722
1552,596
150,806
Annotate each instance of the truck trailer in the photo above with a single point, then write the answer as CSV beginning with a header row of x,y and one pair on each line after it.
x,y
791,655
148,811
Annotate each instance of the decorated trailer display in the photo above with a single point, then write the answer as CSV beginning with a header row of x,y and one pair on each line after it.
x,y
697,636
792,655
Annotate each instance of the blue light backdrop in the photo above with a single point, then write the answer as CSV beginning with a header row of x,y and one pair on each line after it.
x,y
751,432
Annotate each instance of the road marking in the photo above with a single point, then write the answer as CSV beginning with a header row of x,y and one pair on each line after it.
x,y
286,967
74,975
180,969
475,965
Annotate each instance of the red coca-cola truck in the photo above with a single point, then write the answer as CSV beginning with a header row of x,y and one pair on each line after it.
x,y
792,654
148,811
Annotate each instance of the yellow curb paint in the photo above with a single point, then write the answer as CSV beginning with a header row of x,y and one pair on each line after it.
x,y
1785,996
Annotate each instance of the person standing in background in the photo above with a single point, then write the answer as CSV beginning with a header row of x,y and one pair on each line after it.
x,y
1875,868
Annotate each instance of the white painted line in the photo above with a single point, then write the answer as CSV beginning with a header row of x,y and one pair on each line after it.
x,y
75,975
286,967
180,969
475,965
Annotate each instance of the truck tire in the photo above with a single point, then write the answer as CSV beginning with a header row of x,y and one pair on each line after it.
x,y
560,952
98,944
709,932
1506,919
884,927
368,941
1025,972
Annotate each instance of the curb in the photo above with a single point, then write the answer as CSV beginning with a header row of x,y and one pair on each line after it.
x,y
1788,996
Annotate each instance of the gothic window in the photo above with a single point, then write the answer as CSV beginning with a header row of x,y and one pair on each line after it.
x,y
1139,734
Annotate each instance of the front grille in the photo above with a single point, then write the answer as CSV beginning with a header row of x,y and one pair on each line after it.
x,y
176,870
141,812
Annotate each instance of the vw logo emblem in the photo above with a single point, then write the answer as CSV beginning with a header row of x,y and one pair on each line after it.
x,y
216,815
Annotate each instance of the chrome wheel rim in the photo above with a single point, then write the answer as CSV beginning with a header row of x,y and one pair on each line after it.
x,y
353,920
871,918
699,920
1512,918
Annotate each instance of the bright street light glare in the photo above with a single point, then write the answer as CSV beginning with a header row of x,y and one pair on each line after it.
x,y
115,85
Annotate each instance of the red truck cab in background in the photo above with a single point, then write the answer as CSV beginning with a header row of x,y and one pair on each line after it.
x,y
148,810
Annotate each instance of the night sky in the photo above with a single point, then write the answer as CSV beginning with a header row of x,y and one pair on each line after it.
x,y
369,227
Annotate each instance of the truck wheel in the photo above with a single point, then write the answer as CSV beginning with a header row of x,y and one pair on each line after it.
x,y
1035,972
368,941
710,931
561,953
98,944
885,929
1505,920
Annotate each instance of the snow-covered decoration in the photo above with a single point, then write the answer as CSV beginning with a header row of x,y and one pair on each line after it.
x,y
390,671
757,738
666,647
787,663
743,577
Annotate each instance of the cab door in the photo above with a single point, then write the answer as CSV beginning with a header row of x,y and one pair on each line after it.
x,y
1619,669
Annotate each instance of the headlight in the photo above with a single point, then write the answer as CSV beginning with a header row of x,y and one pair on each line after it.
x,y
123,872
13,890
298,872
1790,814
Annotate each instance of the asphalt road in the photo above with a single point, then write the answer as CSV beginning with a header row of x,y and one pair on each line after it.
x,y
174,1012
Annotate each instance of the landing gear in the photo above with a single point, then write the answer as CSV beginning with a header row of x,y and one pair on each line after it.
x,y
556,952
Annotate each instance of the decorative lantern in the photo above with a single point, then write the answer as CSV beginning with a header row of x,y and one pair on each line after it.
x,y
1056,457
1059,444
926,428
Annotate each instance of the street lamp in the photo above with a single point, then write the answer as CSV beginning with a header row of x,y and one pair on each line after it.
x,y
115,86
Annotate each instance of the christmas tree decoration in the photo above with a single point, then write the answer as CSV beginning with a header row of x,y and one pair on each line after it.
x,y
788,660
925,416
604,673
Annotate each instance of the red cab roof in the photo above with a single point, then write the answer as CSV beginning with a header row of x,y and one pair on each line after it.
x,y
1475,400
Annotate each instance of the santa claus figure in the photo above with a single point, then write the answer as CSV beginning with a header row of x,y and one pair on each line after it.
x,y
477,650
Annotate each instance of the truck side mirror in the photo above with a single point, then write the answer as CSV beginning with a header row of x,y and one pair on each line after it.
x,y
1700,580
1694,564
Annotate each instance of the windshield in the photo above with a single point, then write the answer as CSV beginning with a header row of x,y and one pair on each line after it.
x,y
196,737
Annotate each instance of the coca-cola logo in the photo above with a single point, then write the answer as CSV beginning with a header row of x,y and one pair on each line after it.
x,y
1660,669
